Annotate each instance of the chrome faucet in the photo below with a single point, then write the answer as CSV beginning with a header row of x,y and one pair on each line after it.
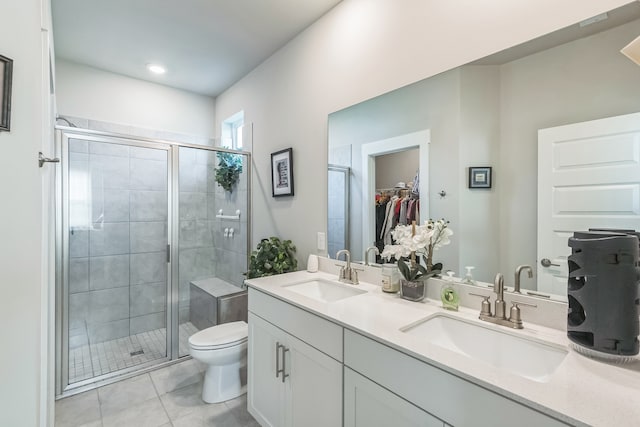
x,y
347,274
516,286
366,253
500,317
498,288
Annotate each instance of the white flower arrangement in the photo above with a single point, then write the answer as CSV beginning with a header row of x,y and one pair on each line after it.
x,y
421,240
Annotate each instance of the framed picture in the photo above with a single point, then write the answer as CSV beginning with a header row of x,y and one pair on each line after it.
x,y
6,69
480,177
282,173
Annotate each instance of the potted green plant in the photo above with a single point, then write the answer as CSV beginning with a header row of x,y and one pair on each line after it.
x,y
413,241
272,256
228,170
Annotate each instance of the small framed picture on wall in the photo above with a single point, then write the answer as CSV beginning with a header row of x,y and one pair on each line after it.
x,y
6,70
480,177
282,173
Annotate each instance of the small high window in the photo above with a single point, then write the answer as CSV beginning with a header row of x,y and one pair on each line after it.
x,y
231,135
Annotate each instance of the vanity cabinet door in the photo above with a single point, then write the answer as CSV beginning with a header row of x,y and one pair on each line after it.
x,y
366,404
290,383
315,387
265,393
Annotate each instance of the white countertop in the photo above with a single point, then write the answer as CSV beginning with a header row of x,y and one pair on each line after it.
x,y
581,391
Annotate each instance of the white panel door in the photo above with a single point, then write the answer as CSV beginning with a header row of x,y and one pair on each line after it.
x,y
588,177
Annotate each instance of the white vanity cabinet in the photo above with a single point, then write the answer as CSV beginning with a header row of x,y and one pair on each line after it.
x,y
294,368
451,399
307,371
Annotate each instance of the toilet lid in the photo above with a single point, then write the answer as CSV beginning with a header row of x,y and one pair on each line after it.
x,y
220,335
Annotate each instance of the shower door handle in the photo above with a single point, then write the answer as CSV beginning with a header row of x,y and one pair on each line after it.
x,y
42,159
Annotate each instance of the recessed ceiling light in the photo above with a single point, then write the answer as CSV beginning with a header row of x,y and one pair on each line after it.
x,y
156,68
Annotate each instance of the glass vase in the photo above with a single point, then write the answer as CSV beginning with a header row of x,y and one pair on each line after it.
x,y
412,290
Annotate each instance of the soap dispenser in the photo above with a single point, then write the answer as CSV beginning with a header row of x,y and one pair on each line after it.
x,y
468,278
449,294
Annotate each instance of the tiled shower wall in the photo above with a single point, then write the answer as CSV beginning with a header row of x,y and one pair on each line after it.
x,y
117,241
205,251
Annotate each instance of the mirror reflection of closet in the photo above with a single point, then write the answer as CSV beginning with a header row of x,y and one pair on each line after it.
x,y
395,176
396,167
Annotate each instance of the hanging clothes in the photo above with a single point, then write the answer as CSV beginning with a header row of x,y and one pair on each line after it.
x,y
399,209
381,212
403,211
388,222
415,190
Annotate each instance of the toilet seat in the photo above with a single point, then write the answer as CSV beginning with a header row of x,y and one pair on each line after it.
x,y
220,336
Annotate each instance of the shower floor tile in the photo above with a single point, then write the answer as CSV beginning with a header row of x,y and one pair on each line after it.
x,y
92,360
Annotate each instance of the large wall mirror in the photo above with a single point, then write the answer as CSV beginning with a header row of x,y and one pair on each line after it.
x,y
486,113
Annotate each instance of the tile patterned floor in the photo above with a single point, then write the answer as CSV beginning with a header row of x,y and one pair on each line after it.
x,y
91,360
166,397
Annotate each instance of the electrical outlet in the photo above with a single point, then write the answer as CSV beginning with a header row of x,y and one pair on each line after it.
x,y
322,241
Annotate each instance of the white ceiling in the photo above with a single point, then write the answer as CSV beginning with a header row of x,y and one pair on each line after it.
x,y
206,45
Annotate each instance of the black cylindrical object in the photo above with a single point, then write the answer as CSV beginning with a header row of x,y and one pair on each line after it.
x,y
603,292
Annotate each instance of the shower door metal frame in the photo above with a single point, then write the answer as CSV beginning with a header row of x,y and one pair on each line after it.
x,y
346,171
62,136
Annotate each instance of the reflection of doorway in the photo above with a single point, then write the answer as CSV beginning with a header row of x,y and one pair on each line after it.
x,y
395,182
370,152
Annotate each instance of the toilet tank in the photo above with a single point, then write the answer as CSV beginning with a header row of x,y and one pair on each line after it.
x,y
214,301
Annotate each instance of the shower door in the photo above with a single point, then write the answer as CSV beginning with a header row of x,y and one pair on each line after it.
x,y
115,270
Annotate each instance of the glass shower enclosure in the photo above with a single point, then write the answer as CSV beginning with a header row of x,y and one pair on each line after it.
x,y
138,221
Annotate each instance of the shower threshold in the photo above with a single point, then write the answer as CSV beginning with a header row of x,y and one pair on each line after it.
x,y
92,360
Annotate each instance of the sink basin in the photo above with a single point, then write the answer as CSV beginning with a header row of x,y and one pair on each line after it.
x,y
324,290
527,358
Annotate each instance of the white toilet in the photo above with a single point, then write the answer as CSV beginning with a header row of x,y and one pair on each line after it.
x,y
223,348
